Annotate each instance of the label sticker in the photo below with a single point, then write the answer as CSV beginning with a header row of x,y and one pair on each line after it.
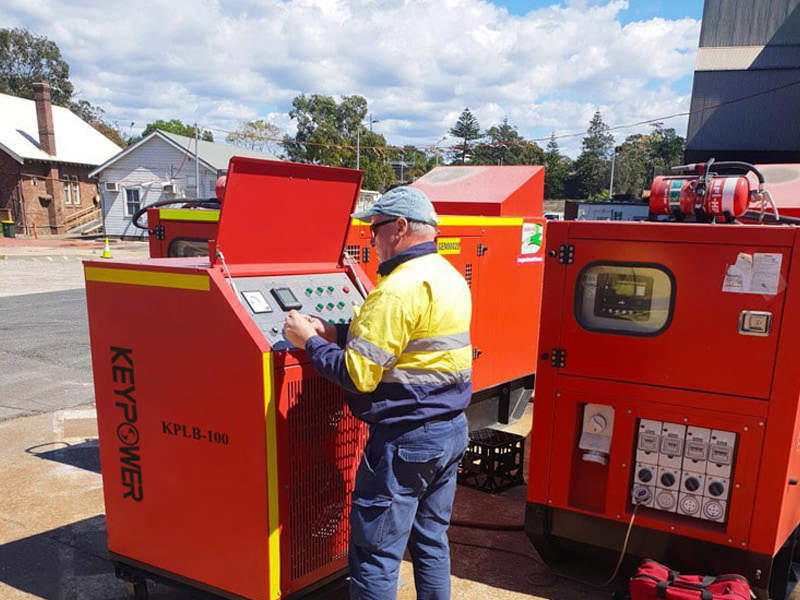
x,y
758,273
448,245
532,234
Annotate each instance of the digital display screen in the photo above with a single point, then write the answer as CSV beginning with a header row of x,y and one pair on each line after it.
x,y
286,299
624,287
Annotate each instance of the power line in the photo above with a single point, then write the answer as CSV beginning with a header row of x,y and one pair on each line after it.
x,y
532,141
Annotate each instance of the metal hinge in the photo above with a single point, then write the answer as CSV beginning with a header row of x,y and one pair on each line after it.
x,y
482,249
558,358
158,232
365,255
566,254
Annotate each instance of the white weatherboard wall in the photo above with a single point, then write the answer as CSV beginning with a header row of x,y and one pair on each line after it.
x,y
148,168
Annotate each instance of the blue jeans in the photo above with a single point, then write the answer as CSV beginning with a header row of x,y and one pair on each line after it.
x,y
404,492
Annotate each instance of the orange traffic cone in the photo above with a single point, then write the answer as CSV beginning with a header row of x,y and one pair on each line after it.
x,y
106,251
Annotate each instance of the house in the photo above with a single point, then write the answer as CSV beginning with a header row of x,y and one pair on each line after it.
x,y
46,155
745,94
160,167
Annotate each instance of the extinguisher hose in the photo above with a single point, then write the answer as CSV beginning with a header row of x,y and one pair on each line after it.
x,y
735,164
210,203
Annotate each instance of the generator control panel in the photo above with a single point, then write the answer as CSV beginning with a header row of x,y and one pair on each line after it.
x,y
687,470
330,297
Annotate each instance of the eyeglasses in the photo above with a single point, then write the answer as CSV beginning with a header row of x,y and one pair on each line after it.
x,y
374,226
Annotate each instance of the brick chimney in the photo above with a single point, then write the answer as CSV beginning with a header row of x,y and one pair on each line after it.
x,y
44,117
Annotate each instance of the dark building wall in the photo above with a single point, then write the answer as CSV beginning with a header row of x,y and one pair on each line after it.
x,y
746,93
750,22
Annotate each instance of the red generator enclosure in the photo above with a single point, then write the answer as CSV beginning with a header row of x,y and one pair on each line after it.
x,y
491,230
668,386
227,461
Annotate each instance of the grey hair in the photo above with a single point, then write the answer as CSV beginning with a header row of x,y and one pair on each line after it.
x,y
418,228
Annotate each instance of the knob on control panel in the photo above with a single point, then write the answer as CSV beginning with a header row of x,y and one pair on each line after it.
x,y
645,475
668,479
716,488
692,484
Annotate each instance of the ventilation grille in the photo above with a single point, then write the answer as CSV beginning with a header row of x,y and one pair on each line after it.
x,y
468,275
353,251
325,442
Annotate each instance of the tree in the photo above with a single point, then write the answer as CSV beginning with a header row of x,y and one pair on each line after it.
x,y
468,129
594,163
639,155
328,133
177,127
26,58
557,168
505,146
256,135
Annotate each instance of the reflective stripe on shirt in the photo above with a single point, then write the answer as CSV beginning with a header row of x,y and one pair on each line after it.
x,y
439,343
425,377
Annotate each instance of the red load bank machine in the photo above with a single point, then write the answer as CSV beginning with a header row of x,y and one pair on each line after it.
x,y
227,461
668,388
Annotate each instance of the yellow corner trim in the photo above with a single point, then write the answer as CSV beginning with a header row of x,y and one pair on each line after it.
x,y
470,221
274,541
184,214
149,278
483,221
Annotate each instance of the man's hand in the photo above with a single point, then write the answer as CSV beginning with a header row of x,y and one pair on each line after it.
x,y
299,328
323,328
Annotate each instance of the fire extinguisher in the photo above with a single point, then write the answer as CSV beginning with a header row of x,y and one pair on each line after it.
x,y
723,194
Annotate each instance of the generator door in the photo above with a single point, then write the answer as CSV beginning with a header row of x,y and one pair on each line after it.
x,y
693,316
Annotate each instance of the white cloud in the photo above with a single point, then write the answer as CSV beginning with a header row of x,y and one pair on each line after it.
x,y
418,62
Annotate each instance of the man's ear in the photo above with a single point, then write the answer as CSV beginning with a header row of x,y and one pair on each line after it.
x,y
402,225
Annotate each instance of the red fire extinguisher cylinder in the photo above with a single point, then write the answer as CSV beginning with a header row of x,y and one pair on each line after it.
x,y
678,196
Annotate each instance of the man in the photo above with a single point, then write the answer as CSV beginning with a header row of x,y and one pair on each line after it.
x,y
405,363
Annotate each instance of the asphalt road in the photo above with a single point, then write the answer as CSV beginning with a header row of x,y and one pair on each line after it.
x,y
45,363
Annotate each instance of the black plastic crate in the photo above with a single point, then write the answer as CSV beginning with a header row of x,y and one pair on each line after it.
x,y
493,461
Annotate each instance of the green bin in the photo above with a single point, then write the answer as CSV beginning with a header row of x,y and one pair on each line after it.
x,y
8,228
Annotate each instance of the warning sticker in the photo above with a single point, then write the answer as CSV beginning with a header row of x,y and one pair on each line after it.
x,y
758,273
532,234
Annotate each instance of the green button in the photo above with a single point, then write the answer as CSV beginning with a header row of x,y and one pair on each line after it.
x,y
319,290
341,305
342,320
331,305
320,306
330,289
309,291
332,321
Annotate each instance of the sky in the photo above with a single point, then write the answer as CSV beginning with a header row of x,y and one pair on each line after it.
x,y
544,66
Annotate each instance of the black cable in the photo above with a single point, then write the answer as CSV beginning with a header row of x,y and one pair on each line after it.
x,y
487,526
209,203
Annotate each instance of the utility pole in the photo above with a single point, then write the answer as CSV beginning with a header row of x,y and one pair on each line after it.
x,y
611,183
196,162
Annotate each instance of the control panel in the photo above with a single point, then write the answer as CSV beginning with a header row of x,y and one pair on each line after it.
x,y
688,470
330,297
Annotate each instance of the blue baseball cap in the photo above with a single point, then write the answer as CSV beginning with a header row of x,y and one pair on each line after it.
x,y
403,201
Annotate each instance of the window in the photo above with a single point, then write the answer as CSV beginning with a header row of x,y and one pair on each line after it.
x,y
76,191
132,201
67,193
625,298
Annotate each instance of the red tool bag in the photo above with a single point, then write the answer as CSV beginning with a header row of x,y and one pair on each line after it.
x,y
653,580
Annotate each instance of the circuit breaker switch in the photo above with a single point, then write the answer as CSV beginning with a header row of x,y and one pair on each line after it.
x,y
598,425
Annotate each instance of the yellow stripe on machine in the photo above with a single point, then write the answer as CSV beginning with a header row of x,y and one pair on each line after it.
x,y
471,221
149,278
185,214
274,541
482,221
